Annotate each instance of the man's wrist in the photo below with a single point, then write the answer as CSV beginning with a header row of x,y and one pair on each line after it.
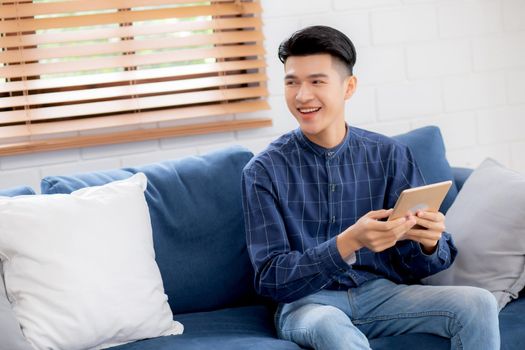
x,y
346,244
429,249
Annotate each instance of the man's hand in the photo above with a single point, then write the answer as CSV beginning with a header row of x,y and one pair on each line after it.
x,y
373,234
428,235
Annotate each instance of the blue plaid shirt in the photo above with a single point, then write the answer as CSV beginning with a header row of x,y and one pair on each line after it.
x,y
298,196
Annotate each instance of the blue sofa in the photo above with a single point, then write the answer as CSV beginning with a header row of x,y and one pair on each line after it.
x,y
197,219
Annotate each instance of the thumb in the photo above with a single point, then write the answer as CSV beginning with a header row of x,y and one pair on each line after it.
x,y
379,214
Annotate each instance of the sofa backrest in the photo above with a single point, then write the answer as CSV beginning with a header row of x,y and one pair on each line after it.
x,y
428,149
198,228
17,191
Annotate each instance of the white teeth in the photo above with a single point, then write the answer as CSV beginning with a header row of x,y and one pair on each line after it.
x,y
308,110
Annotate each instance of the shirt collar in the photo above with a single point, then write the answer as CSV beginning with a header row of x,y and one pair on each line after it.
x,y
319,150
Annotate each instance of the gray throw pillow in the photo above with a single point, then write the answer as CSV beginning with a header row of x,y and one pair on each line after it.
x,y
486,222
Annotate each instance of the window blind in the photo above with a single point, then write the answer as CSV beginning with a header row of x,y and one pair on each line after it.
x,y
88,72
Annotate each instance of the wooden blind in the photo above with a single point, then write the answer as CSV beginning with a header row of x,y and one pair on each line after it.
x,y
85,72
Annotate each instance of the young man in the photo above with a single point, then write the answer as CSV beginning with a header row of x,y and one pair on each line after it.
x,y
314,204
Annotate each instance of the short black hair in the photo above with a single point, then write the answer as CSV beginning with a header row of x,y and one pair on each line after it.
x,y
318,40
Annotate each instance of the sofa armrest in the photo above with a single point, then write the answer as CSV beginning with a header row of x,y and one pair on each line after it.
x,y
460,176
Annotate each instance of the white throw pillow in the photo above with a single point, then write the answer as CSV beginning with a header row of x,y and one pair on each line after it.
x,y
486,222
80,268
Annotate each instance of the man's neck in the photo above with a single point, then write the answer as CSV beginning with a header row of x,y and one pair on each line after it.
x,y
330,138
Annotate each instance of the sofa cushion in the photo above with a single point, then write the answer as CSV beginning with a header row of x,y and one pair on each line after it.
x,y
198,228
10,333
428,149
252,328
460,176
487,222
249,327
80,268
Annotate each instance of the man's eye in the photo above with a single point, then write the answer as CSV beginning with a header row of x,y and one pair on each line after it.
x,y
289,82
317,82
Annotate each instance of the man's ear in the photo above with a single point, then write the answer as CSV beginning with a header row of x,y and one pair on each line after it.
x,y
350,85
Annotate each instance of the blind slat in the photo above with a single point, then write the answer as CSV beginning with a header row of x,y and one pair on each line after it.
x,y
15,56
12,10
129,76
131,119
16,41
33,69
131,90
28,25
138,103
131,136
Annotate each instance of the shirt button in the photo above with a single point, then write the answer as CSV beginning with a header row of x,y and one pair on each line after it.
x,y
332,187
332,220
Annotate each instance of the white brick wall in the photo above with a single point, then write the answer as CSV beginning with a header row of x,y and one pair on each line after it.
x,y
357,23
439,59
404,24
360,4
379,65
80,167
409,100
475,91
458,129
501,125
513,14
469,18
516,87
458,64
517,158
499,51
361,107
294,8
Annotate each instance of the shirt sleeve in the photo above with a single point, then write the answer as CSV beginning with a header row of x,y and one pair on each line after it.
x,y
280,273
410,262
408,259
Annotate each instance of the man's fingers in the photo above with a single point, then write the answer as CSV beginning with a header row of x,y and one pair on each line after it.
x,y
424,223
380,245
423,234
379,214
384,225
431,225
401,230
431,216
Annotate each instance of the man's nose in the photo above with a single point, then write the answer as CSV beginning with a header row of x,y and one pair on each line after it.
x,y
304,94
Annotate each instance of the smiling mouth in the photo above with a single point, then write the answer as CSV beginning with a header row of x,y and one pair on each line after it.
x,y
309,110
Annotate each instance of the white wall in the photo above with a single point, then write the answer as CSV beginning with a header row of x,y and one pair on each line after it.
x,y
459,64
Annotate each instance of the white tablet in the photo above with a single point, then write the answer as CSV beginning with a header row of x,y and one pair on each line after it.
x,y
424,198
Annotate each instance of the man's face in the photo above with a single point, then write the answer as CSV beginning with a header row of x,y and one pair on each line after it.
x,y
316,88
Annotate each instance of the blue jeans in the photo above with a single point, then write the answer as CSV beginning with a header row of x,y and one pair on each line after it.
x,y
332,320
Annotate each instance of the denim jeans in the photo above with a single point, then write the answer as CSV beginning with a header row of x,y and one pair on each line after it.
x,y
332,320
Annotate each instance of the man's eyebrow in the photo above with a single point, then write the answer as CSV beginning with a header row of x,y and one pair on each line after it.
x,y
318,75
315,75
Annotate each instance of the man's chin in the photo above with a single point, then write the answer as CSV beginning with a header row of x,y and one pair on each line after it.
x,y
310,130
